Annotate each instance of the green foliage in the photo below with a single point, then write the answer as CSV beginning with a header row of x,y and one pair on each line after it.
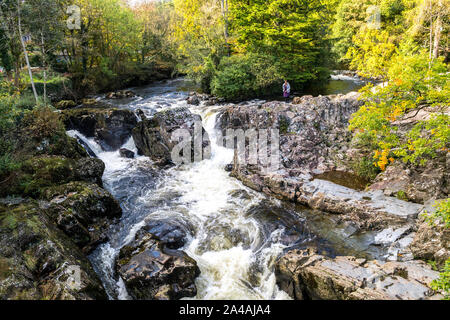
x,y
241,77
402,195
351,15
442,213
443,283
294,33
371,53
364,168
415,83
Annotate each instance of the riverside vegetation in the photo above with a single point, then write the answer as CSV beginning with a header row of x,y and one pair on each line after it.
x,y
393,135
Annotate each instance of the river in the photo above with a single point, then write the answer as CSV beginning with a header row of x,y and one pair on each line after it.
x,y
236,234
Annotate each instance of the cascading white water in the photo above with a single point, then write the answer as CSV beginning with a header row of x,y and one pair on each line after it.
x,y
235,234
234,256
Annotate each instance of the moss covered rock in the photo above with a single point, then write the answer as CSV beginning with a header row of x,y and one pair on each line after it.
x,y
38,173
111,127
65,104
83,211
38,261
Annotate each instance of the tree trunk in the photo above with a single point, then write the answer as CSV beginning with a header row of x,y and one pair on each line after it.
x,y
224,6
431,29
44,63
437,32
25,52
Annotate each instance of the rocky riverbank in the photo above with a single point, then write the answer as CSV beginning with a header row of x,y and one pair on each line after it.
x,y
46,236
318,170
64,212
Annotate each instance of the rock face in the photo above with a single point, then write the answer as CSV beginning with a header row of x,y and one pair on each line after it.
x,y
41,172
111,127
151,271
125,153
303,274
311,133
431,242
123,94
193,100
313,136
83,212
153,137
417,184
38,261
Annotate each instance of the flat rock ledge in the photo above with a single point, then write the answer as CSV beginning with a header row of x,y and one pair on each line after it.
x,y
305,275
365,210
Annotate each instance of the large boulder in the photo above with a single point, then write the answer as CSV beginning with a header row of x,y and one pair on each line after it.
x,y
83,211
313,140
122,94
305,275
126,153
416,183
111,127
151,271
38,261
432,238
312,133
153,137
39,173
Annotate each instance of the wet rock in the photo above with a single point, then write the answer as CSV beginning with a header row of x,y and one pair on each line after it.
x,y
39,173
123,94
111,127
151,272
89,170
229,167
311,133
83,212
86,147
141,114
153,137
39,262
65,104
303,274
125,153
171,233
193,100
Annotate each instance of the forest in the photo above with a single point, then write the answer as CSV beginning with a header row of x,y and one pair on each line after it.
x,y
56,54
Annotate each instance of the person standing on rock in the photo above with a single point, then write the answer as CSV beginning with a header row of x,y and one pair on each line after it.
x,y
286,90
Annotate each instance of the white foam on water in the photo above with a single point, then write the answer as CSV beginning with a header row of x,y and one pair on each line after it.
x,y
231,268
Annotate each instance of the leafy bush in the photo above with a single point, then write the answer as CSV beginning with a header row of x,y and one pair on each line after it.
x,y
443,282
246,76
415,83
42,122
442,213
364,168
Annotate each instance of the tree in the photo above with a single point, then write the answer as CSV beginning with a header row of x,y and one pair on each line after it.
x,y
294,32
8,20
30,72
45,22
